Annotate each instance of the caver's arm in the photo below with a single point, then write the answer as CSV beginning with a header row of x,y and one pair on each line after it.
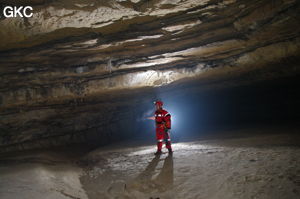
x,y
167,120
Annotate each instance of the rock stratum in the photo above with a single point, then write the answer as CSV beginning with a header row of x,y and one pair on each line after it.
x,y
76,68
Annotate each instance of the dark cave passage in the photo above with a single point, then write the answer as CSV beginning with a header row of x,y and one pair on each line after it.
x,y
195,113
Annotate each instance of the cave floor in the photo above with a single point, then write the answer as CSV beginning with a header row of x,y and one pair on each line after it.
x,y
258,166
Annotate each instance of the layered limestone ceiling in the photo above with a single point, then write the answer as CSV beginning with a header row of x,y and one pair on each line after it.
x,y
76,49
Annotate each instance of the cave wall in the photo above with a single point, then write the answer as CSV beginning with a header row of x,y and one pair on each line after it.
x,y
75,70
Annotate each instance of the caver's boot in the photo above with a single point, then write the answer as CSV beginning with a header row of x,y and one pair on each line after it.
x,y
159,147
158,152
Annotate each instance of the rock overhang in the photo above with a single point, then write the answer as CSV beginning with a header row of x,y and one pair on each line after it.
x,y
72,51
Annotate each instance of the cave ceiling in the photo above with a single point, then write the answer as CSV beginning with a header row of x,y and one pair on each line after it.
x,y
79,48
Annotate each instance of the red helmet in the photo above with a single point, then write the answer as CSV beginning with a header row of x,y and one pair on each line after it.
x,y
160,103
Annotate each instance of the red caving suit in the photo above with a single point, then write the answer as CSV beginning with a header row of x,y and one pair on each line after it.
x,y
163,124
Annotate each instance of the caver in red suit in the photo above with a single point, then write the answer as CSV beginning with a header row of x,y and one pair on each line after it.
x,y
163,126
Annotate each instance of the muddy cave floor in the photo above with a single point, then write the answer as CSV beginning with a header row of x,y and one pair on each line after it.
x,y
251,164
